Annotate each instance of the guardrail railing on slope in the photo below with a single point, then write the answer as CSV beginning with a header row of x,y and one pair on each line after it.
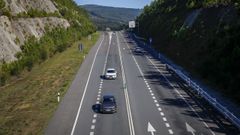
x,y
213,101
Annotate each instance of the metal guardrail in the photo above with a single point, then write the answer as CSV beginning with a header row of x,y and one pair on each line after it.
x,y
213,101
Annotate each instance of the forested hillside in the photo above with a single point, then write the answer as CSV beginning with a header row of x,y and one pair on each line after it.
x,y
112,17
201,36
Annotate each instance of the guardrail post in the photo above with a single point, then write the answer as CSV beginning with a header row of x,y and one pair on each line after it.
x,y
215,100
189,81
198,89
166,66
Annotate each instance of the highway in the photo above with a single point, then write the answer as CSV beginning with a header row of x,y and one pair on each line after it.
x,y
150,99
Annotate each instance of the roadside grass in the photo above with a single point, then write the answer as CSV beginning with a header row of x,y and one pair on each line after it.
x,y
27,105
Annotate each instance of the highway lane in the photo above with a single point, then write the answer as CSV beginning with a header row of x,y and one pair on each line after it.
x,y
117,124
143,107
64,117
182,112
85,115
90,121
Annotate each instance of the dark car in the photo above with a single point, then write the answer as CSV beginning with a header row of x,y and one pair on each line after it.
x,y
138,50
108,104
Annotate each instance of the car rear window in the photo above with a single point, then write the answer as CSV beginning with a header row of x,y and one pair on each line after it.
x,y
111,71
108,99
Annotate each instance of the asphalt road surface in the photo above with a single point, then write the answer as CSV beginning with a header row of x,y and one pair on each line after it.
x,y
150,99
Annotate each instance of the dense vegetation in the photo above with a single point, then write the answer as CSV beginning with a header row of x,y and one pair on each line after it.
x,y
114,18
36,13
36,51
2,4
209,49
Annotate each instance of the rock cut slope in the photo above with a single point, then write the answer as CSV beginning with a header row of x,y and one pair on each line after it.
x,y
18,6
15,31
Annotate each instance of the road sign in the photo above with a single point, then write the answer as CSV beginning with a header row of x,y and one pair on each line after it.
x,y
132,24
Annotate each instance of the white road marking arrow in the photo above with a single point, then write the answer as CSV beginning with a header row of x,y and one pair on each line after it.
x,y
151,128
190,129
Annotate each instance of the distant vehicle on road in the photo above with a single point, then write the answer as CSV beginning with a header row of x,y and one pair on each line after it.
x,y
108,104
111,73
138,50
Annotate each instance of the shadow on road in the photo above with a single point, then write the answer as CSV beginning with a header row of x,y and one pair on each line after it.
x,y
96,108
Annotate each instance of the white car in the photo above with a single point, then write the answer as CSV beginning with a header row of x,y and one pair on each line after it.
x,y
111,73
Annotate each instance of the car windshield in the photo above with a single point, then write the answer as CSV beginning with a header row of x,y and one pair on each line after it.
x,y
111,71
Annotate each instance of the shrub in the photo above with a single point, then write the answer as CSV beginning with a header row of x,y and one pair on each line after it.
x,y
29,62
15,68
2,4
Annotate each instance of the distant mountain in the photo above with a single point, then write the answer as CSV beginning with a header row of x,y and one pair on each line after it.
x,y
112,17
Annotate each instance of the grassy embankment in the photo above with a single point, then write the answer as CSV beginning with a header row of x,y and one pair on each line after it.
x,y
27,104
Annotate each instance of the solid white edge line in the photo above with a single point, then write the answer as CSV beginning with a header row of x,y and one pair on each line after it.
x,y
85,89
128,106
200,118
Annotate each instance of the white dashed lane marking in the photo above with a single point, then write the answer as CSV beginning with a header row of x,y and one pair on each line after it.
x,y
170,131
167,125
94,121
164,119
92,127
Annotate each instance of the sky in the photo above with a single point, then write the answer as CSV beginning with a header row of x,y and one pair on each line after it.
x,y
116,3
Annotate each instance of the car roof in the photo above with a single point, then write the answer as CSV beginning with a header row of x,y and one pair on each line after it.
x,y
110,69
108,96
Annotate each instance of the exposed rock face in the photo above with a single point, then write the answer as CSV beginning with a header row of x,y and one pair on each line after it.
x,y
8,47
24,28
18,6
14,32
